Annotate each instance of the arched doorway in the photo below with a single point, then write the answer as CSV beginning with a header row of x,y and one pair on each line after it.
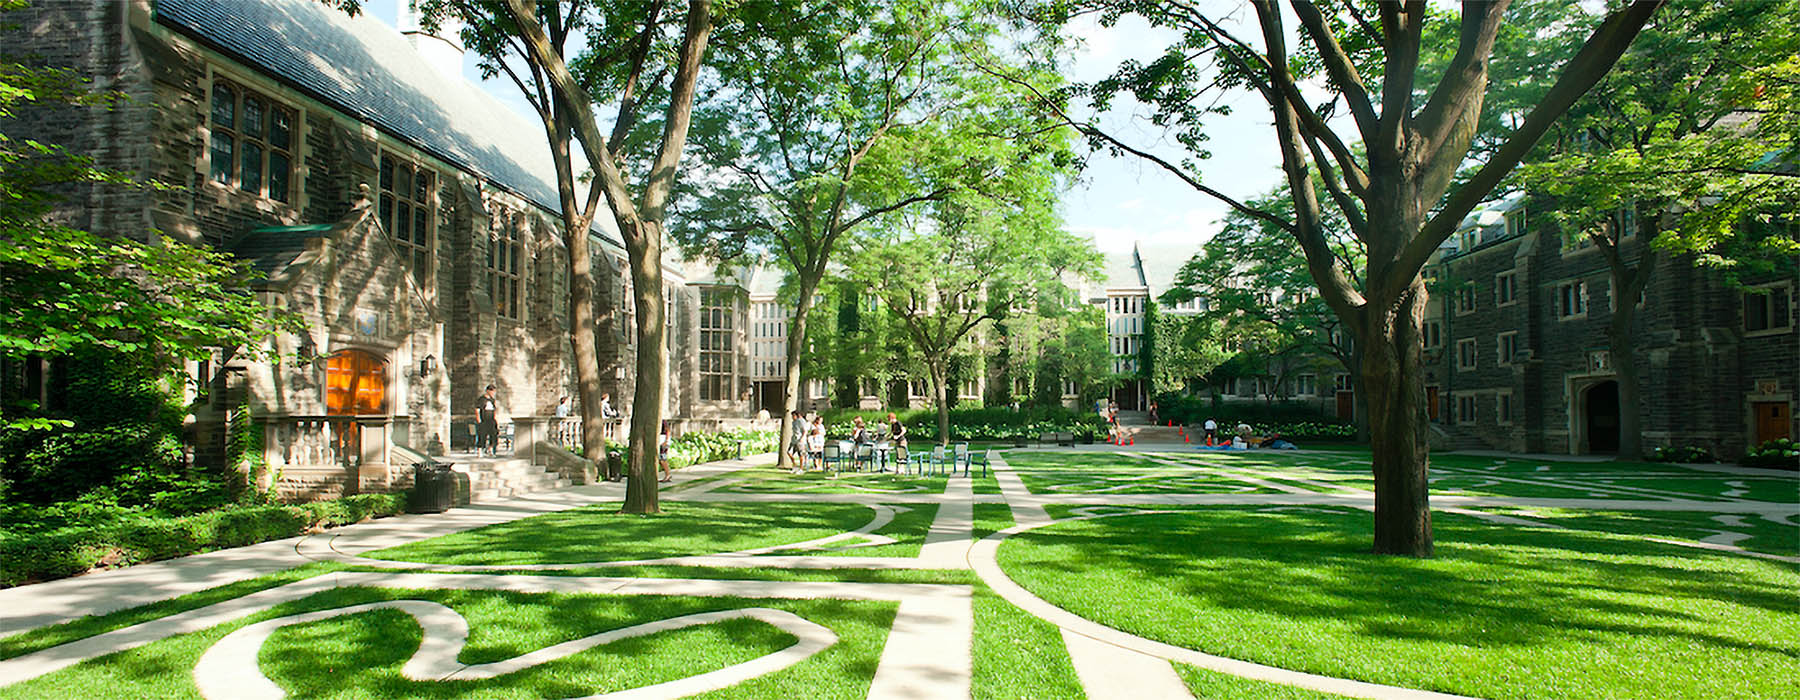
x,y
1600,414
355,385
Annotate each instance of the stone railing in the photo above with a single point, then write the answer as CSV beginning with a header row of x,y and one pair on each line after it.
x,y
330,455
567,432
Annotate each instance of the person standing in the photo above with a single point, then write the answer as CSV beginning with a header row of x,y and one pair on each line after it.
x,y
606,407
562,407
815,441
487,422
1212,431
797,441
662,453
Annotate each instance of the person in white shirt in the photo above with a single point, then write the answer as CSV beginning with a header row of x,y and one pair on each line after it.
x,y
1212,430
606,409
562,407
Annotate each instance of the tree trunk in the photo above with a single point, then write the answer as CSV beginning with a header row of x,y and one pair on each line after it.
x,y
651,386
1393,373
583,337
796,341
1624,362
940,376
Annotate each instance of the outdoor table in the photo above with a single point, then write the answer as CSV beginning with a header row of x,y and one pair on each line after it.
x,y
881,455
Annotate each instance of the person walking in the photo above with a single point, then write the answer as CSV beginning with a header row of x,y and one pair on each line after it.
x,y
662,453
797,441
815,441
487,422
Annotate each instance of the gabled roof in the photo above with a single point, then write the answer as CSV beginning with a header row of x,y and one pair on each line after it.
x,y
368,70
272,249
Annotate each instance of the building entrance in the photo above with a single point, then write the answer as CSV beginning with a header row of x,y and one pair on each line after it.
x,y
1772,420
1600,412
355,385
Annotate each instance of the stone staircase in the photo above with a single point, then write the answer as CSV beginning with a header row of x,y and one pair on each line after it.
x,y
494,478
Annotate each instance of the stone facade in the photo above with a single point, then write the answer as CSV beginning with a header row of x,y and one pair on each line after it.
x,y
1524,362
469,290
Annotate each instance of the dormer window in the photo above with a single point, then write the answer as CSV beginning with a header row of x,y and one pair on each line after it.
x,y
1515,222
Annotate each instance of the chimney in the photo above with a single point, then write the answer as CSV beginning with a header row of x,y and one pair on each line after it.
x,y
442,49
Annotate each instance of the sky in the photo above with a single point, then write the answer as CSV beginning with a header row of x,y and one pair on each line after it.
x,y
1118,200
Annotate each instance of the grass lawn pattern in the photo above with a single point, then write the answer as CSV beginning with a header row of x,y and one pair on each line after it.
x,y
602,534
777,481
1500,613
1764,535
1718,486
359,656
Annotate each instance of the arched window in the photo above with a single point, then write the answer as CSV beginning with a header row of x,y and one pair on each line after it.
x,y
355,384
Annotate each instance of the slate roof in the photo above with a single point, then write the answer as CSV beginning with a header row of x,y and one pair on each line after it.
x,y
270,250
368,70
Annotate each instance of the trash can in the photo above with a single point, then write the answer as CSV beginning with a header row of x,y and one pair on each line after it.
x,y
434,488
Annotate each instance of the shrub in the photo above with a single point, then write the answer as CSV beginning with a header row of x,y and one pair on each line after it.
x,y
1775,454
976,424
37,556
1690,454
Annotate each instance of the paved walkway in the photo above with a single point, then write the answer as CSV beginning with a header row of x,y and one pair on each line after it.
x,y
927,654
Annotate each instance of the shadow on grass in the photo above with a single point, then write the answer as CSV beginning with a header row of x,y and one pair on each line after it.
x,y
600,534
1236,574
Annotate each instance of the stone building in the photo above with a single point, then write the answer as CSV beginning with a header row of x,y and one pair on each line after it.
x,y
1517,337
405,214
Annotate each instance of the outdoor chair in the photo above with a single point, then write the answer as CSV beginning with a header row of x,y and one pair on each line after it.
x,y
833,455
865,457
960,459
1050,438
1065,439
940,459
980,458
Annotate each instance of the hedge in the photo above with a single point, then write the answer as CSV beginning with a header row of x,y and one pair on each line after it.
x,y
27,558
992,423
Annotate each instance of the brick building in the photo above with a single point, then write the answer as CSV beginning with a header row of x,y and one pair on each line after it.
x,y
1517,336
405,214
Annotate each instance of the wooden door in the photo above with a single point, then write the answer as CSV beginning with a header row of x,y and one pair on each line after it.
x,y
1773,421
1346,405
1431,403
355,384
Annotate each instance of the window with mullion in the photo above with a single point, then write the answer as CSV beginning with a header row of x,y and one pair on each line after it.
x,y
251,141
716,352
406,206
504,249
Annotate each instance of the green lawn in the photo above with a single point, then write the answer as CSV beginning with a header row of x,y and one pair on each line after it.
x,y
1500,612
1715,486
776,481
359,656
1212,684
601,533
1765,535
908,529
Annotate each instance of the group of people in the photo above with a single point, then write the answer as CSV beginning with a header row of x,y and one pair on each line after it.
x,y
806,444
1243,439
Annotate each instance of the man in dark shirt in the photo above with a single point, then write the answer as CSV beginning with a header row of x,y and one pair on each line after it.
x,y
487,422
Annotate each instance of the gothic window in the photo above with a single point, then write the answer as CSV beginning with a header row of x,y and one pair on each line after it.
x,y
406,207
251,141
504,250
716,349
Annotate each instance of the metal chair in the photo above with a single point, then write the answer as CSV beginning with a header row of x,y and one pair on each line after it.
x,y
865,457
960,459
940,459
981,459
832,455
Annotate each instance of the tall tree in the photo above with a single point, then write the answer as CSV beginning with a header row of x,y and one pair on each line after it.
x,y
1256,286
142,299
561,54
1680,150
1398,197
828,116
949,274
